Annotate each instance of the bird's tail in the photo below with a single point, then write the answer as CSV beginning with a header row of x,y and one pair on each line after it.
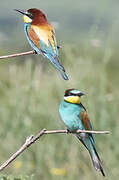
x,y
89,144
55,60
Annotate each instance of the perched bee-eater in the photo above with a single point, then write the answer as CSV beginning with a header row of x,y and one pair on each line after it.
x,y
74,116
41,36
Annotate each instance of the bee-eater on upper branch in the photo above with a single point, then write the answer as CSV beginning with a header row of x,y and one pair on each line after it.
x,y
41,36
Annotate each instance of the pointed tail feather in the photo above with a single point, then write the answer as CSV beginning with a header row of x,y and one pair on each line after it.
x,y
97,163
64,75
93,153
55,60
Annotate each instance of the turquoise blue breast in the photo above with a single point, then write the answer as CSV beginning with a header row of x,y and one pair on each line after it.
x,y
70,115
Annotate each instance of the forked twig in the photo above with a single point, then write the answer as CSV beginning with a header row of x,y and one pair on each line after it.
x,y
32,139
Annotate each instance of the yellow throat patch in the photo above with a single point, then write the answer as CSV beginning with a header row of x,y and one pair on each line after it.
x,y
72,99
27,19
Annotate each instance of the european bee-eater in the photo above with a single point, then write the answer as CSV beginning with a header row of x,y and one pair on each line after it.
x,y
74,116
41,36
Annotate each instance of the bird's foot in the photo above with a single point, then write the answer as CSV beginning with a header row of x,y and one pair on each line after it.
x,y
59,47
68,131
35,52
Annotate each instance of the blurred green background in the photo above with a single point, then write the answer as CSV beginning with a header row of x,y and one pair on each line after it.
x,y
31,89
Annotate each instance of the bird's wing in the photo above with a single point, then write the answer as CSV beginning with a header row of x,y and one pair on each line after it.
x,y
33,37
47,40
87,125
85,120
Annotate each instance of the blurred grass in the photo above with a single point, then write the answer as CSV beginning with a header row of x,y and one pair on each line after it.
x,y
5,177
30,93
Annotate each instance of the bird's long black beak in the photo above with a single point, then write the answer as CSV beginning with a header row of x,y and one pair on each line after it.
x,y
21,11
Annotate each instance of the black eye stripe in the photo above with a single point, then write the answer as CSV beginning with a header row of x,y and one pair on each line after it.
x,y
30,15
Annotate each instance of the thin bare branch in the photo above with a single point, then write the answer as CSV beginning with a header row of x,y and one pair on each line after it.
x,y
32,139
18,54
21,54
78,131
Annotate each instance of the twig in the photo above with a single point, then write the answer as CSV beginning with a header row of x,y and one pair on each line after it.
x,y
32,139
78,131
18,54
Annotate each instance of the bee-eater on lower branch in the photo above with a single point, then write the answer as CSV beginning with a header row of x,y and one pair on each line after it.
x,y
41,36
74,116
